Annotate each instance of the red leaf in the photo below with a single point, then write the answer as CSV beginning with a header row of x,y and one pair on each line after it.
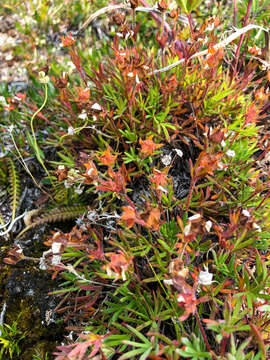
x,y
107,158
252,114
148,146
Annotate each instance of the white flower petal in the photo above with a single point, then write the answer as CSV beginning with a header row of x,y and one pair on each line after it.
x,y
230,153
205,278
179,152
194,217
246,213
166,160
208,225
96,106
71,130
187,229
56,246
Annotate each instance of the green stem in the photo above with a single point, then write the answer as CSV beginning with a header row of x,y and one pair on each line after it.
x,y
34,136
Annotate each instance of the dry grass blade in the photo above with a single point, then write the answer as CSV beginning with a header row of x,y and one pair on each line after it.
x,y
221,44
102,11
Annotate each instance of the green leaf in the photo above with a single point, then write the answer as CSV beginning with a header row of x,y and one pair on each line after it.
x,y
188,5
139,335
131,354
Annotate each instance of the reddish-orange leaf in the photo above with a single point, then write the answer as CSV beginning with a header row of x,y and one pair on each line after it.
x,y
91,173
118,265
159,178
148,146
107,158
207,163
130,217
252,114
153,220
68,40
83,94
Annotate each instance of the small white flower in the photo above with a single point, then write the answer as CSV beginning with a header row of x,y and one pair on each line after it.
x,y
94,118
230,153
205,277
67,184
210,27
246,213
71,66
42,264
130,74
9,57
3,100
56,246
222,166
123,274
223,144
180,298
161,188
179,152
11,128
208,225
71,130
61,167
96,106
137,79
257,227
78,190
194,217
17,98
119,34
89,172
166,160
43,78
187,229
168,282
83,116
56,259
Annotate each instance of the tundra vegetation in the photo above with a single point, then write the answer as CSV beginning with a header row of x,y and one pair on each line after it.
x,y
144,130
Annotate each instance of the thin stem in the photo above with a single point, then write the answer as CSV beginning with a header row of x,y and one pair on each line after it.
x,y
204,335
190,25
192,185
11,224
34,136
223,346
234,12
241,38
24,163
263,200
133,19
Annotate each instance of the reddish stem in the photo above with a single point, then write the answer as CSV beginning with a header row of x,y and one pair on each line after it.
x,y
263,200
223,346
130,202
234,12
241,38
204,335
190,25
192,185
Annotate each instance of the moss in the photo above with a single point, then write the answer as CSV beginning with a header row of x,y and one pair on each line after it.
x,y
28,302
